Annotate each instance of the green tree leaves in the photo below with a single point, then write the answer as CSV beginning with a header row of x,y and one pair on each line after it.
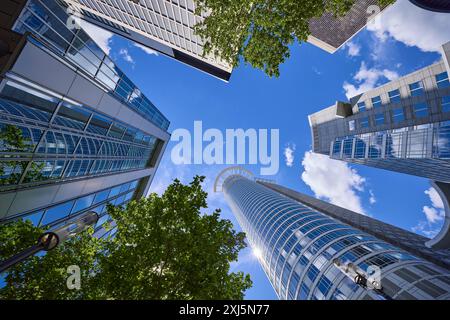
x,y
164,248
260,31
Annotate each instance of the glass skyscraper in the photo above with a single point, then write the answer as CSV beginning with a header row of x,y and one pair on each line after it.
x,y
402,126
76,133
168,27
303,244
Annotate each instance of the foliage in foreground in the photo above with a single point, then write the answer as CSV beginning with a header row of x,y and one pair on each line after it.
x,y
164,248
261,31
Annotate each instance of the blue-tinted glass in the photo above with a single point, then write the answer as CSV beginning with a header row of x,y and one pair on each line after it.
x,y
398,115
35,217
57,212
99,125
83,203
445,104
12,171
394,96
129,195
72,116
379,119
376,101
101,196
361,106
29,97
421,110
442,80
416,89
364,122
125,187
133,184
102,220
114,191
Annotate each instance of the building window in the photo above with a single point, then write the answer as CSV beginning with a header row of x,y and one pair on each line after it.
x,y
445,104
416,89
421,110
376,101
394,96
398,115
361,106
364,122
442,80
379,119
351,125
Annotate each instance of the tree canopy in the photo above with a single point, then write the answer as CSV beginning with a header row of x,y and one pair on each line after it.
x,y
164,248
260,31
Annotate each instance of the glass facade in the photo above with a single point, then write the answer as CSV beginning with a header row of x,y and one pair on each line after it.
x,y
46,139
299,245
47,19
56,214
406,129
60,157
411,150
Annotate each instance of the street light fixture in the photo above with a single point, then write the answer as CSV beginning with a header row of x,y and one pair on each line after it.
x,y
51,239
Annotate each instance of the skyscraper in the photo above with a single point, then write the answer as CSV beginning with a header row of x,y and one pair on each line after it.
x,y
401,126
168,27
76,133
330,33
310,249
164,26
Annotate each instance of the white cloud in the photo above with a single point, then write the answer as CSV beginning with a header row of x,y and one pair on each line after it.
x,y
126,56
367,79
100,36
372,199
333,181
145,49
354,49
289,154
434,215
435,198
412,26
424,228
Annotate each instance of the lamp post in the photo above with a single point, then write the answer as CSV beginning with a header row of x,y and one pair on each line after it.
x,y
51,239
361,278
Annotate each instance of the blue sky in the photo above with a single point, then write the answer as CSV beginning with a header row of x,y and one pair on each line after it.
x,y
404,39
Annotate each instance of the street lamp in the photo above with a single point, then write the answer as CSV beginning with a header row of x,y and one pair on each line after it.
x,y
358,276
51,239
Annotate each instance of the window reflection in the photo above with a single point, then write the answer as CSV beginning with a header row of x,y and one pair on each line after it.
x,y
71,116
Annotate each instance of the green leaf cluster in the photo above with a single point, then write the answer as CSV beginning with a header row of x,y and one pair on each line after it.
x,y
164,248
260,31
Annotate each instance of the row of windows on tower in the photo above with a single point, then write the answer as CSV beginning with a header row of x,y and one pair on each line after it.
x,y
398,115
416,89
47,20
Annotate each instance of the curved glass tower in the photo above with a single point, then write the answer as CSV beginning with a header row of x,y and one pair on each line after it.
x,y
312,254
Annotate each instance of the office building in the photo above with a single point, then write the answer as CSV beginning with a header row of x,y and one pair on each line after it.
x,y
168,27
330,33
310,249
401,126
76,133
164,26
